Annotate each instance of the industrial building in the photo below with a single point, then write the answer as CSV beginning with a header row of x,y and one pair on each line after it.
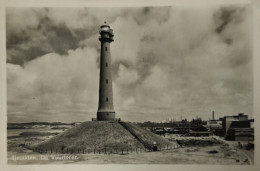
x,y
238,127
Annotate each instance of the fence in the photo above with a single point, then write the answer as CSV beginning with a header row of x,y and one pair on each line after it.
x,y
97,151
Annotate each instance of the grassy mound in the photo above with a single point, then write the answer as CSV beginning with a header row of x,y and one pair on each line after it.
x,y
147,136
92,135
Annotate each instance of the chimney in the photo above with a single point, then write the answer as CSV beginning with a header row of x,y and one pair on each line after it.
x,y
213,115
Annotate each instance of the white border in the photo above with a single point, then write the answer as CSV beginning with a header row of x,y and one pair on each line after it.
x,y
126,3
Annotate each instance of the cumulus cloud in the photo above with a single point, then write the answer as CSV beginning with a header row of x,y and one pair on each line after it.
x,y
167,61
54,84
126,75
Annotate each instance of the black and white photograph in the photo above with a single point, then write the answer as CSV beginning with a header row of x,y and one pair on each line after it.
x,y
159,84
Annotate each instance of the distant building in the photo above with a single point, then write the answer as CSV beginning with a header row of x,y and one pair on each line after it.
x,y
227,120
216,123
215,126
160,131
240,134
200,131
238,128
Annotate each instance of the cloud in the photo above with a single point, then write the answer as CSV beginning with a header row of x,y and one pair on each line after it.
x,y
124,50
45,31
54,83
126,75
14,16
129,102
166,61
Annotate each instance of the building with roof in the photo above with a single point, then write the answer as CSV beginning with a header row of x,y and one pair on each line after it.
x,y
238,127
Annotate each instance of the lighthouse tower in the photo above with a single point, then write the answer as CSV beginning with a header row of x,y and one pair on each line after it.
x,y
105,106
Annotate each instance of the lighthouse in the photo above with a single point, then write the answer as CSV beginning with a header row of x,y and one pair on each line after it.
x,y
106,110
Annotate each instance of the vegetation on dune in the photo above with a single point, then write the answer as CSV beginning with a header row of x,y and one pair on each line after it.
x,y
93,135
147,136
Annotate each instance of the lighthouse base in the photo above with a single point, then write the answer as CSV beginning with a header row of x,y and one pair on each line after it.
x,y
106,116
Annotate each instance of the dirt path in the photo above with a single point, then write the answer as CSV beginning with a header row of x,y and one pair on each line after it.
x,y
248,153
188,155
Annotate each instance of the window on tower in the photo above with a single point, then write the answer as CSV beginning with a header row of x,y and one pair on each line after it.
x,y
106,48
107,81
107,99
106,64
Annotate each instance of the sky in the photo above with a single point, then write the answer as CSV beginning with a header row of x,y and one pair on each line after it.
x,y
167,62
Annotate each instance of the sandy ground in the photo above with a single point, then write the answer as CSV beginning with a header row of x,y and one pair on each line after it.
x,y
225,154
187,155
234,144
